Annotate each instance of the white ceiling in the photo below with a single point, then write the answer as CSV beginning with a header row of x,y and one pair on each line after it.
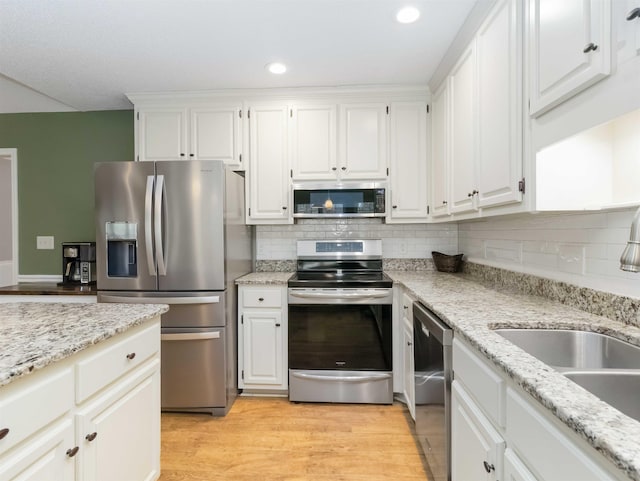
x,y
87,54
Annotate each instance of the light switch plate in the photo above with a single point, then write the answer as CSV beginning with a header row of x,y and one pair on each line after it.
x,y
44,242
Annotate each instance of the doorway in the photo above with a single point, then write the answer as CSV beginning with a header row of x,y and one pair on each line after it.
x,y
8,217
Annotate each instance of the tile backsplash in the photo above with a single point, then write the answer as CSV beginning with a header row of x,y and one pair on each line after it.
x,y
400,241
579,248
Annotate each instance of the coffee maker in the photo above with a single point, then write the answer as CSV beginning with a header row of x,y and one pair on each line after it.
x,y
78,263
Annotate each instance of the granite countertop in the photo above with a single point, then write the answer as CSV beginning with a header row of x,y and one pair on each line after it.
x,y
473,310
276,278
48,289
34,335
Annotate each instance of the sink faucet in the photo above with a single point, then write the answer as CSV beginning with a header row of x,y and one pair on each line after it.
x,y
630,259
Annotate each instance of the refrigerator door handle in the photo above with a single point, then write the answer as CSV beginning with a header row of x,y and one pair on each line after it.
x,y
159,197
148,195
161,300
190,336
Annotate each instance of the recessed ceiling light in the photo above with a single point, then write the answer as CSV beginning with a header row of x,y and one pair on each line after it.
x,y
407,15
276,68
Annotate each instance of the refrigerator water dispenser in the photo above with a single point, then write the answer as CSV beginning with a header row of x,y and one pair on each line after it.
x,y
122,250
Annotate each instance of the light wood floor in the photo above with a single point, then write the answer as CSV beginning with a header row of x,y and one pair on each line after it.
x,y
273,439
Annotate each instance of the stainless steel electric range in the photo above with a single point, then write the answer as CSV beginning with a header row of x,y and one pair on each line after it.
x,y
340,337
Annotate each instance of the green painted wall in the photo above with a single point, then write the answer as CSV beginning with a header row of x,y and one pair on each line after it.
x,y
56,153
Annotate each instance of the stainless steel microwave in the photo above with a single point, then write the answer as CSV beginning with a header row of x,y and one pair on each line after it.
x,y
314,200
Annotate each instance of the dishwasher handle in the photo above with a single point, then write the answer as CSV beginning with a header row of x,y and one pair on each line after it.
x,y
436,327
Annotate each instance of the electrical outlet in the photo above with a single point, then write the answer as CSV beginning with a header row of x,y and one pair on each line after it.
x,y
44,242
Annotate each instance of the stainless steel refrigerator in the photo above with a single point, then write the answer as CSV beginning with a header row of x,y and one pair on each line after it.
x,y
174,233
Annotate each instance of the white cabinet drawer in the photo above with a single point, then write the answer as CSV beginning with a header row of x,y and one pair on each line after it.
x,y
546,451
32,403
262,297
487,386
114,360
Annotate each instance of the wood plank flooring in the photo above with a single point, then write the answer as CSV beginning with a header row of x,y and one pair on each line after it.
x,y
273,439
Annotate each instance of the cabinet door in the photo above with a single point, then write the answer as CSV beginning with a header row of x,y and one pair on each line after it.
x,y
363,141
476,447
269,172
570,44
408,161
119,433
313,142
514,468
216,134
462,85
162,134
43,458
499,56
262,333
439,152
408,365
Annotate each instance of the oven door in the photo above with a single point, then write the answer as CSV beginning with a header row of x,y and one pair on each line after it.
x,y
340,345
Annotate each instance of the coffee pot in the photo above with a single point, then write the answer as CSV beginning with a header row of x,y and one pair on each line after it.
x,y
78,263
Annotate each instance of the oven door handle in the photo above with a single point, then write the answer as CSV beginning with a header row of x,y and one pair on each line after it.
x,y
338,295
359,378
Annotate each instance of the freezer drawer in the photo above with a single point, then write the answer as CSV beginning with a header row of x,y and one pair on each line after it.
x,y
193,369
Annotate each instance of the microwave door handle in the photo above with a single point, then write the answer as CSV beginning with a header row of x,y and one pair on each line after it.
x,y
148,201
158,201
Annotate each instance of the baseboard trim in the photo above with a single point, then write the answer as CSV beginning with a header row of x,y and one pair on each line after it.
x,y
39,278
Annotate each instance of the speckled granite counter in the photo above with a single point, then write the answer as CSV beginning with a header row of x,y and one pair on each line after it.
x,y
265,278
473,310
34,335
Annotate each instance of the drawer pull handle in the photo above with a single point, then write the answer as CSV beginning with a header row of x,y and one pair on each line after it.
x,y
488,467
589,47
635,13
91,437
73,451
261,299
131,355
3,433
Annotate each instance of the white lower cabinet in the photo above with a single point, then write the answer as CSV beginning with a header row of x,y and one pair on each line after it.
x,y
476,447
498,432
262,338
104,432
408,359
48,431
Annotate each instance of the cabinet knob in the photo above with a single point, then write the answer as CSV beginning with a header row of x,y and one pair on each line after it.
x,y
4,432
633,14
277,324
405,307
131,355
181,155
444,202
469,194
284,207
590,46
261,299
73,451
91,437
334,168
191,155
394,206
408,343
343,168
488,467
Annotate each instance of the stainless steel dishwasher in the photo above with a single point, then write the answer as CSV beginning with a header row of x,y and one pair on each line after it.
x,y
432,340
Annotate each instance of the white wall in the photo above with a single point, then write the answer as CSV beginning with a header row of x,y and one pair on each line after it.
x,y
578,248
408,241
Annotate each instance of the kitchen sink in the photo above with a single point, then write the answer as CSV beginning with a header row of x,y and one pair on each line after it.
x,y
620,389
570,349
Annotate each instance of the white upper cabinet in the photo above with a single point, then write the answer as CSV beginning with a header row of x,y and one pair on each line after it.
x,y
313,142
439,152
363,141
570,49
408,161
269,172
499,162
183,133
216,134
463,140
162,134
